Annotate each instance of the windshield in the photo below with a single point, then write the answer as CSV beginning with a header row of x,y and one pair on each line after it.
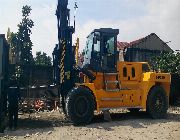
x,y
88,50
97,42
108,44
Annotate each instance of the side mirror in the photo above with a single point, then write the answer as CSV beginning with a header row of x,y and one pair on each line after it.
x,y
95,40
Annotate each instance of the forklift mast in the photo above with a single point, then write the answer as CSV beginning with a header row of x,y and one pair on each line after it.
x,y
64,52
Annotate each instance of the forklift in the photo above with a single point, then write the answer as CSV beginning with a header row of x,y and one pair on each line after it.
x,y
107,82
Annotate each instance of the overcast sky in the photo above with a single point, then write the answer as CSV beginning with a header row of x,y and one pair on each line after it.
x,y
134,18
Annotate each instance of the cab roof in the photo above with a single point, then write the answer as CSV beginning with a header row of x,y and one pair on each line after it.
x,y
105,30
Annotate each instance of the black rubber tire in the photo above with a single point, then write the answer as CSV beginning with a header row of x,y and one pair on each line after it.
x,y
134,110
80,106
157,103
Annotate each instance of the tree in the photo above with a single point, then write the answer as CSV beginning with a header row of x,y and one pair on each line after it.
x,y
20,42
167,62
21,48
25,44
23,37
14,50
42,59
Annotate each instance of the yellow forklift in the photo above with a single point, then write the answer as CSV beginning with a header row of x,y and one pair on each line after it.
x,y
108,83
114,84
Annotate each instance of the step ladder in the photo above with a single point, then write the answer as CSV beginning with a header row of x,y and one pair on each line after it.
x,y
116,82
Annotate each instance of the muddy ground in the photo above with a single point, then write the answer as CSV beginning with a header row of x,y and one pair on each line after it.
x,y
124,125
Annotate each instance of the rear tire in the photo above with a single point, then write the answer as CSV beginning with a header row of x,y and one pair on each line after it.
x,y
157,103
80,106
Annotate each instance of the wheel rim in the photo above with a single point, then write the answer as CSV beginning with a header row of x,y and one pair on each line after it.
x,y
81,106
158,103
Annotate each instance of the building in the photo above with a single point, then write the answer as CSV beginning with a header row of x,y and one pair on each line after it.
x,y
143,49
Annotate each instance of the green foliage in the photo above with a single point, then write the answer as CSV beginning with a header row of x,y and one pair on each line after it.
x,y
42,59
12,40
25,44
20,42
23,37
26,10
21,47
167,62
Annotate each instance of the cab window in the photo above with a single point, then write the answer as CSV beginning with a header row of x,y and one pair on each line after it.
x,y
124,72
133,72
109,44
145,68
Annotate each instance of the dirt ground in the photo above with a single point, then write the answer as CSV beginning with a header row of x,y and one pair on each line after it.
x,y
124,125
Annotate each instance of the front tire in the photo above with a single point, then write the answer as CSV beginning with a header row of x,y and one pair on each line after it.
x,y
80,106
157,103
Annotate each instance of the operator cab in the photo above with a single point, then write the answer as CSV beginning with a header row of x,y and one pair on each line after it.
x,y
101,50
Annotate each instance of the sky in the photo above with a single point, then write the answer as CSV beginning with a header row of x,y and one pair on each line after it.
x,y
134,19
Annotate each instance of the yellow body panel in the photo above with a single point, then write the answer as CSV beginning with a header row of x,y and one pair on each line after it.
x,y
135,86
